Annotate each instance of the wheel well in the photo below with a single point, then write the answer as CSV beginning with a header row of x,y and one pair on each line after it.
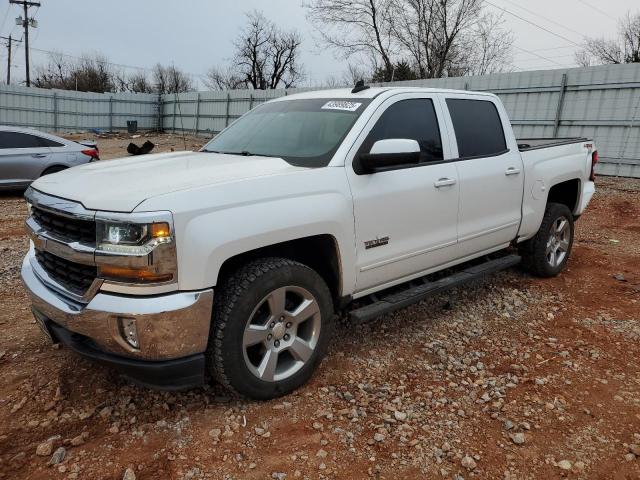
x,y
565,193
319,252
57,168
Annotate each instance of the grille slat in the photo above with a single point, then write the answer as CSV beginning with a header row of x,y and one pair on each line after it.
x,y
65,228
75,277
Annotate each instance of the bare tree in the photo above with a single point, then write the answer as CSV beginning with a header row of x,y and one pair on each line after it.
x,y
415,38
90,73
170,79
224,79
489,46
441,36
266,57
355,27
624,49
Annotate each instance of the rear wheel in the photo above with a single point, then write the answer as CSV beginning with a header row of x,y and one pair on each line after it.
x,y
546,254
272,321
54,169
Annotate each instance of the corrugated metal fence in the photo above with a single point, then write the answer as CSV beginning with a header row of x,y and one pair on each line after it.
x,y
598,102
65,110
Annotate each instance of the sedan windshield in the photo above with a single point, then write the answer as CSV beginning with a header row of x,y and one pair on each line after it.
x,y
305,133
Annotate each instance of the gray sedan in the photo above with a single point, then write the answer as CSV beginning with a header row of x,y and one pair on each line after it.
x,y
27,154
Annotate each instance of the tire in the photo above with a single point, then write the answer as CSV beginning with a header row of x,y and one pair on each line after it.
x,y
250,329
54,169
546,254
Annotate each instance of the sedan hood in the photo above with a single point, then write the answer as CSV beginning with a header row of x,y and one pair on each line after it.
x,y
121,185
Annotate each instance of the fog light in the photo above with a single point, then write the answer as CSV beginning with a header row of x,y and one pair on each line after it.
x,y
129,331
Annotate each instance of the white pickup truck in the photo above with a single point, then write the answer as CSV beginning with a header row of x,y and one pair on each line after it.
x,y
230,264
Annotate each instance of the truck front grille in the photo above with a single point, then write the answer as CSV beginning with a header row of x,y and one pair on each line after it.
x,y
75,277
66,228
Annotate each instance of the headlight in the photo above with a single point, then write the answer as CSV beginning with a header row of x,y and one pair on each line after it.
x,y
136,253
132,238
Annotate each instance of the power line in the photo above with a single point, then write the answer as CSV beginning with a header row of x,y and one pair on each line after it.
x,y
601,12
547,19
539,56
533,23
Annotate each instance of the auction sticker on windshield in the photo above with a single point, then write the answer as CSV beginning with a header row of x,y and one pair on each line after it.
x,y
341,105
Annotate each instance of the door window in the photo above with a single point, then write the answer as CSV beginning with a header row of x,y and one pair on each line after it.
x,y
478,128
19,140
413,119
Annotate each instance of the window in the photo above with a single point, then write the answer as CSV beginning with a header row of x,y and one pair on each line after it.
x,y
413,119
19,140
478,128
304,133
45,142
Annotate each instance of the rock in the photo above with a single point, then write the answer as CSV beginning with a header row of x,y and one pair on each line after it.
x,y
620,277
629,457
259,431
58,456
400,416
77,441
45,448
215,433
317,426
517,438
129,474
565,464
279,475
322,453
579,466
378,437
635,449
468,462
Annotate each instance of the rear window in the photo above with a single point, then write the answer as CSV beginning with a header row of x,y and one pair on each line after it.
x,y
478,128
49,143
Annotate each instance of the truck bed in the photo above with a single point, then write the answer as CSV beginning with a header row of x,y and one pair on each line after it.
x,y
525,144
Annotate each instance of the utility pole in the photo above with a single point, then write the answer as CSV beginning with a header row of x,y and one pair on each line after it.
x,y
26,23
9,42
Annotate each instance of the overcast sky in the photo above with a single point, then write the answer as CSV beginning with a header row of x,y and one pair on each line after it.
x,y
196,34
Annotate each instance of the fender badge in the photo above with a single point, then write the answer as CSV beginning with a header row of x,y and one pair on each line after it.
x,y
378,242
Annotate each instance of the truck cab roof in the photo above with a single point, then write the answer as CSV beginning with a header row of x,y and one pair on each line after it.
x,y
374,92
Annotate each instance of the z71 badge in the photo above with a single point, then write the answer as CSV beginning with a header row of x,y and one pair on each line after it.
x,y
378,242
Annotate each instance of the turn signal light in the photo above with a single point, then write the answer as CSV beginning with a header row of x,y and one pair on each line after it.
x,y
134,275
160,230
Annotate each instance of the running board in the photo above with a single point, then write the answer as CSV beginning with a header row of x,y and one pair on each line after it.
x,y
397,300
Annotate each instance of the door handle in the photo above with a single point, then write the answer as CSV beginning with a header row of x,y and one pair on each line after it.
x,y
39,155
444,182
512,171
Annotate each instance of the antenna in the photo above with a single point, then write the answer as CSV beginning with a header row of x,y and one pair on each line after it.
x,y
360,86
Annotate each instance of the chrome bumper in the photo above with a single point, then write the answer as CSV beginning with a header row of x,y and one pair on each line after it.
x,y
169,326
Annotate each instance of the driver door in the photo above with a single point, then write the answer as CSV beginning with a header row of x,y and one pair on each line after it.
x,y
406,216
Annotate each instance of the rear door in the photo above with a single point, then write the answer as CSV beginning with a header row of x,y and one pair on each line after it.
x,y
491,173
405,217
22,157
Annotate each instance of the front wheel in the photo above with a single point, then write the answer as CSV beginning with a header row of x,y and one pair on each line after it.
x,y
546,254
272,321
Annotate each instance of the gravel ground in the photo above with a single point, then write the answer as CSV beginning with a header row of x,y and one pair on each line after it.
x,y
515,378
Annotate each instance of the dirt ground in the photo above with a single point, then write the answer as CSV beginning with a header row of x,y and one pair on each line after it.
x,y
517,378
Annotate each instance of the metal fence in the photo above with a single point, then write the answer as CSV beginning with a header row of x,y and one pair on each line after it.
x,y
601,102
64,110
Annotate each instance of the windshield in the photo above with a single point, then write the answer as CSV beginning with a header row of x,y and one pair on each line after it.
x,y
305,133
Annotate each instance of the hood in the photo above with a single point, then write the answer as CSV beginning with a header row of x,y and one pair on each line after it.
x,y
121,185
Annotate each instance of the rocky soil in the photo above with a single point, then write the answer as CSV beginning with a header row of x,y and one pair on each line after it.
x,y
516,378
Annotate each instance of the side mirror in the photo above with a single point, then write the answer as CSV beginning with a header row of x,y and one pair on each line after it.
x,y
389,153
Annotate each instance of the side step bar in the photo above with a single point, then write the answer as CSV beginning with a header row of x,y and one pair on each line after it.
x,y
397,300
